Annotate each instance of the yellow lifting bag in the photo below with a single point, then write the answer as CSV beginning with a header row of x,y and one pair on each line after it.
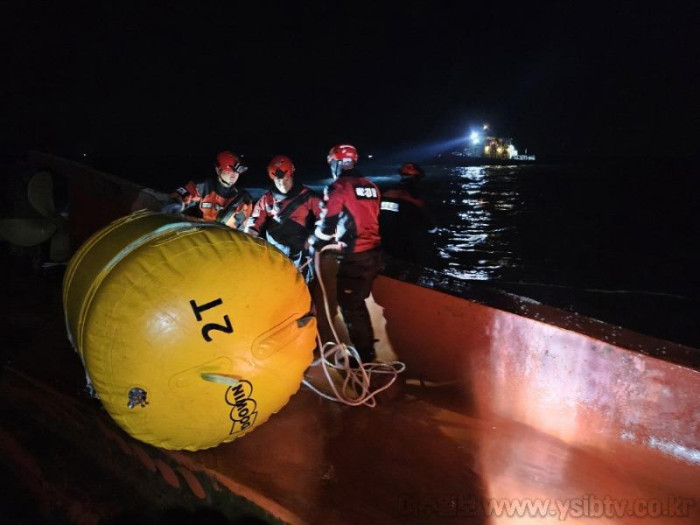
x,y
192,333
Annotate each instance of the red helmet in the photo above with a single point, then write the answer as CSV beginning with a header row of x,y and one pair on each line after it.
x,y
411,169
229,160
343,153
280,167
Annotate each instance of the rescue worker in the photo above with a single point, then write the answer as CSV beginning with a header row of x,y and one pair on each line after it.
x,y
405,221
217,198
286,215
350,217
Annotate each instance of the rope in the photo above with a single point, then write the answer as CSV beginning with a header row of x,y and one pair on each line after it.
x,y
339,357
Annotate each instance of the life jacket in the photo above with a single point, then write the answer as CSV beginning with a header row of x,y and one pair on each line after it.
x,y
212,201
351,213
286,220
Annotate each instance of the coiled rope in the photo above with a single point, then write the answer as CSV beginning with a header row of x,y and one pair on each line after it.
x,y
338,357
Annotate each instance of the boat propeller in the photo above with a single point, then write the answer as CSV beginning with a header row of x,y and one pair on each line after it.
x,y
42,223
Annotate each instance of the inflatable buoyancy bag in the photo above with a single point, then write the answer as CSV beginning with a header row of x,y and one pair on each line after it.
x,y
192,334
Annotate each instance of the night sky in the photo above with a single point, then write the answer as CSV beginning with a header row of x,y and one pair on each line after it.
x,y
130,78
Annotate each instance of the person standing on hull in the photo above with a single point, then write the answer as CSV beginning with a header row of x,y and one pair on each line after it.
x,y
217,198
286,215
405,221
350,217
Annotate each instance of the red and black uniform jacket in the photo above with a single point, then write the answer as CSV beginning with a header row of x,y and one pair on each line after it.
x,y
212,201
287,220
351,213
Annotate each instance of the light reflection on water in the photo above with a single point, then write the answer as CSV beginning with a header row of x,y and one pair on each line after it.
x,y
479,242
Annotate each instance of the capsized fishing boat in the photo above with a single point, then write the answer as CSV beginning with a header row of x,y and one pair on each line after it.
x,y
512,410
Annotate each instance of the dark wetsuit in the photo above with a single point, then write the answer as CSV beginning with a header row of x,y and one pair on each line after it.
x,y
212,201
351,215
286,221
405,221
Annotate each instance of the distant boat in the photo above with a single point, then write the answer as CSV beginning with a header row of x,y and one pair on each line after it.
x,y
458,159
486,149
